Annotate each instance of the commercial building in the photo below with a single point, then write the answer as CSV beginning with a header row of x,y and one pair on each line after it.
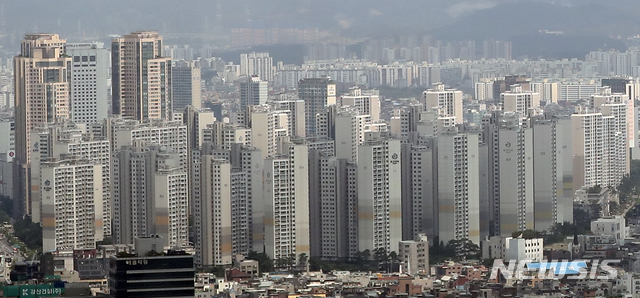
x,y
152,273
253,91
519,249
141,77
89,81
614,226
42,94
186,84
317,94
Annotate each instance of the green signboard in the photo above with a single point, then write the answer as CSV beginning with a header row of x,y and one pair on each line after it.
x,y
32,291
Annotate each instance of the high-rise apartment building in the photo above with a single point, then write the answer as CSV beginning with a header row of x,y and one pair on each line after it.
x,y
169,134
224,135
458,186
519,101
141,77
367,102
89,79
448,100
550,201
298,120
218,189
41,85
243,210
186,84
150,195
332,193
258,64
71,203
286,199
317,94
600,145
267,126
64,138
379,193
405,119
253,91
419,204
510,171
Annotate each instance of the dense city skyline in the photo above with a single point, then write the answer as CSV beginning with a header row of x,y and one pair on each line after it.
x,y
229,160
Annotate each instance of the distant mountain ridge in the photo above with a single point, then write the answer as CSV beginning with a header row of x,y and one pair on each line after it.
x,y
527,17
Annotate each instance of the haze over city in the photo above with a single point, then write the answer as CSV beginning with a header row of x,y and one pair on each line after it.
x,y
283,149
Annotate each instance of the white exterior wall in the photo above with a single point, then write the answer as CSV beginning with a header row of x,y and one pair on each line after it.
x,y
89,82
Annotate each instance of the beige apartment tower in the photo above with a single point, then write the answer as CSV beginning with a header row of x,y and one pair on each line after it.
x,y
141,80
41,74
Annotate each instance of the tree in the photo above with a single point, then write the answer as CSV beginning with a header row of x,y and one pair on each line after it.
x,y
264,262
464,248
28,232
303,259
393,259
381,256
527,234
596,189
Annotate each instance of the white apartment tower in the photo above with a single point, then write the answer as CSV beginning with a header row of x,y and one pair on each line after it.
x,y
72,204
458,186
519,101
213,213
296,106
224,135
64,138
367,103
600,146
259,64
172,135
405,119
379,193
150,195
550,200
266,127
448,100
510,170
419,192
247,209
89,81
286,199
